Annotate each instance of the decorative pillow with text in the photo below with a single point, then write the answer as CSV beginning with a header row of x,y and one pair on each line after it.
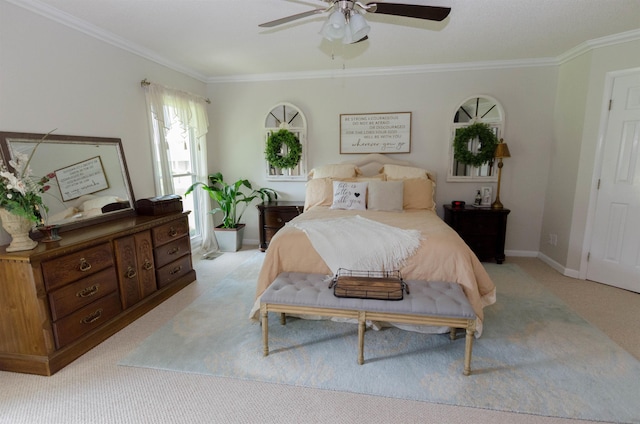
x,y
349,195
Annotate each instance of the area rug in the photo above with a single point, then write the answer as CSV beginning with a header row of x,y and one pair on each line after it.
x,y
535,356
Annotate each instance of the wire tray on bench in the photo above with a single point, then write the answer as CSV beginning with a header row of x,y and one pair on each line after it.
x,y
381,285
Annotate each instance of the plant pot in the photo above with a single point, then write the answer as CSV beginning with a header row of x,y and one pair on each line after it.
x,y
229,239
18,228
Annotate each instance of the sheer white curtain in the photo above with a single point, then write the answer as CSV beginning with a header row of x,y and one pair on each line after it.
x,y
167,106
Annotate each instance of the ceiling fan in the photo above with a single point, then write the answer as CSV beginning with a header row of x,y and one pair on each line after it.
x,y
347,23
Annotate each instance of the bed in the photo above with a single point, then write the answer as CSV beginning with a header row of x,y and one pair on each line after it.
x,y
399,199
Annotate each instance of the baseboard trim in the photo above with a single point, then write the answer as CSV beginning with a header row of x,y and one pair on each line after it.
x,y
558,267
522,253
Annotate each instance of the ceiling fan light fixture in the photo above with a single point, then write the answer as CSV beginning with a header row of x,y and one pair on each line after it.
x,y
348,36
334,27
358,26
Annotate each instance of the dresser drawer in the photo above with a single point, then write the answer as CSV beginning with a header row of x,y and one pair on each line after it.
x,y
277,218
479,225
76,295
171,272
170,231
483,247
171,251
86,319
74,266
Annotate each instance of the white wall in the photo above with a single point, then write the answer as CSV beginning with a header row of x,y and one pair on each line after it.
x,y
568,128
581,96
52,76
238,110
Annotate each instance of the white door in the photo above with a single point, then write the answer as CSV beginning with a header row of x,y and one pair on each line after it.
x,y
614,257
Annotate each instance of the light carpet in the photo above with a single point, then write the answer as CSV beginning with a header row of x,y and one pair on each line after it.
x,y
535,356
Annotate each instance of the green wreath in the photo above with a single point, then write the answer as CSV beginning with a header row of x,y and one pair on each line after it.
x,y
274,146
486,137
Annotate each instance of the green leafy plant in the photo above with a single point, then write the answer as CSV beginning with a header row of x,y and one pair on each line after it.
x,y
231,197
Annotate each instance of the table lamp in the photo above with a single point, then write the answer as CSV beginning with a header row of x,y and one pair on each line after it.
x,y
502,151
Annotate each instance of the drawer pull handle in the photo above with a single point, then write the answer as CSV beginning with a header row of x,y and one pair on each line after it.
x,y
176,270
174,250
279,219
89,291
147,265
84,265
173,232
92,317
131,273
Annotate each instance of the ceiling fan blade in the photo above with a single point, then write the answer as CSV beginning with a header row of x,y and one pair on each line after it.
x,y
292,18
432,13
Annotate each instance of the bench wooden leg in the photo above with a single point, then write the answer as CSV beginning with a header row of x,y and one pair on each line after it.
x,y
265,329
452,333
361,328
468,345
283,318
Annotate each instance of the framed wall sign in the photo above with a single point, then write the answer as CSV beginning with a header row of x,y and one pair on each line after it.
x,y
375,133
82,178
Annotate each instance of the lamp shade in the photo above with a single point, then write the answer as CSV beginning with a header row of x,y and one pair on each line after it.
x,y
333,28
502,150
359,27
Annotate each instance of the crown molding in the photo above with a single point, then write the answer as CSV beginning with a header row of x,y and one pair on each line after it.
x,y
386,71
596,43
93,31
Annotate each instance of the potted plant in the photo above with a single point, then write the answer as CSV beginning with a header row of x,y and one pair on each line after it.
x,y
232,201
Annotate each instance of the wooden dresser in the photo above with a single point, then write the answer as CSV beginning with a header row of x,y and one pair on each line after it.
x,y
273,215
61,299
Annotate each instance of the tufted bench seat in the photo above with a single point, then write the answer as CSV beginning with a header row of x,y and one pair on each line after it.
x,y
430,303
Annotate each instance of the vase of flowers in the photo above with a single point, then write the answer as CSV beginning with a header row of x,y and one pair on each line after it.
x,y
18,228
21,206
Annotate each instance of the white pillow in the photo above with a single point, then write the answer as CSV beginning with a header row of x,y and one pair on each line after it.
x,y
338,170
385,195
98,202
349,195
398,172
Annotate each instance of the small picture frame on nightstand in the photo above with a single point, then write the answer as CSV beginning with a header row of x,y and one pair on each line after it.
x,y
486,196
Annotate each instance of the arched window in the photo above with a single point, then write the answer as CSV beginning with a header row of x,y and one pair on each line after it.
x,y
290,117
483,109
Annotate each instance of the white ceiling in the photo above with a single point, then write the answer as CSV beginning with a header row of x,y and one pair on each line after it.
x,y
212,39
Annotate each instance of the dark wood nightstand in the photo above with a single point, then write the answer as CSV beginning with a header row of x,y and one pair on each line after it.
x,y
273,216
483,229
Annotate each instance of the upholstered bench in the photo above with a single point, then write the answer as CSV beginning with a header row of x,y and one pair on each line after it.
x,y
430,303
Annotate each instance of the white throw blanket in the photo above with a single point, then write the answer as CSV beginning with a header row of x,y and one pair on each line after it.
x,y
360,244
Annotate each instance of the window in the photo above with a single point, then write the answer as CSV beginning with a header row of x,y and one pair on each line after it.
x,y
179,124
290,117
181,146
483,109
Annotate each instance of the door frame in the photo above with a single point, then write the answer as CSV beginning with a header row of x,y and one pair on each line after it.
x,y
597,168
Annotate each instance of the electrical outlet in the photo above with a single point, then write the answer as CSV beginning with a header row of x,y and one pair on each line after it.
x,y
553,239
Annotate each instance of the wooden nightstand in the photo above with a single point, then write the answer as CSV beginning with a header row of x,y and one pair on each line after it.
x,y
273,216
483,229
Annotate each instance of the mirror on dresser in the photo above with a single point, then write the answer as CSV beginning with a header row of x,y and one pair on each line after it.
x,y
91,182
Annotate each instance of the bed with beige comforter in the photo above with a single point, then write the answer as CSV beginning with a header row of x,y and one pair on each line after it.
x,y
441,254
